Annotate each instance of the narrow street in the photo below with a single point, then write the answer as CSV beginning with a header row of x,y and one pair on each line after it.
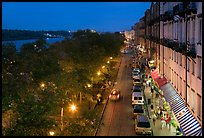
x,y
117,119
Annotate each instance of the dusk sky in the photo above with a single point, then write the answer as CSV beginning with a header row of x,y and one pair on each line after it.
x,y
100,16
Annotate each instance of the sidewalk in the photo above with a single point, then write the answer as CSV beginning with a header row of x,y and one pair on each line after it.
x,y
157,130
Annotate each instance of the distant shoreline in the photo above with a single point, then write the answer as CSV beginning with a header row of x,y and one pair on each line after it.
x,y
7,40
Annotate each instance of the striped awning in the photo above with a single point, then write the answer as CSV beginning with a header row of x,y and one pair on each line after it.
x,y
189,125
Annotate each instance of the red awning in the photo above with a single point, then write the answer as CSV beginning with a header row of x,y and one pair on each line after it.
x,y
154,74
160,81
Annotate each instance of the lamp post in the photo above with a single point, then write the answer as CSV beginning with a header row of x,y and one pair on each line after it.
x,y
62,114
72,109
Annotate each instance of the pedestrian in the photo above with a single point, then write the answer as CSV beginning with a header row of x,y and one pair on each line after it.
x,y
163,122
152,110
154,118
158,112
151,89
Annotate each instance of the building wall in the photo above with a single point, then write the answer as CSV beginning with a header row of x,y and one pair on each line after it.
x,y
175,65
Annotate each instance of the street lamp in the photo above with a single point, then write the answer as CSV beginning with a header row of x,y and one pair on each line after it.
x,y
108,61
111,57
103,67
89,85
42,85
51,133
98,73
73,107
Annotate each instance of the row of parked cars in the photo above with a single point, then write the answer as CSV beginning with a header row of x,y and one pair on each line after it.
x,y
142,123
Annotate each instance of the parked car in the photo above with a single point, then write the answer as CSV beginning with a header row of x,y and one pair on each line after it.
x,y
142,125
137,98
137,81
136,88
138,109
136,70
114,95
136,75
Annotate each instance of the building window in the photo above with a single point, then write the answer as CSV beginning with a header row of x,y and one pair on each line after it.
x,y
177,80
193,68
172,54
192,100
188,61
188,95
193,32
184,89
180,59
199,105
181,86
200,31
199,67
177,57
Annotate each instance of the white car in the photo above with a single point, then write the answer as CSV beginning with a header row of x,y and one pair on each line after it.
x,y
137,98
136,75
136,70
114,95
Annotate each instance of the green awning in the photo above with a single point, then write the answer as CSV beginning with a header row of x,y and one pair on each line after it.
x,y
156,89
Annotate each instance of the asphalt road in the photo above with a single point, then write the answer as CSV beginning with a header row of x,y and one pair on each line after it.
x,y
117,119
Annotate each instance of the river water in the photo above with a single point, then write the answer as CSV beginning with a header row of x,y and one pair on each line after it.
x,y
19,43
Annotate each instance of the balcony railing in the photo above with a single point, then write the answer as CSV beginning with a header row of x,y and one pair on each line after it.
x,y
184,48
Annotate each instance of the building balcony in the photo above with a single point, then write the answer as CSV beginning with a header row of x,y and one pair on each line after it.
x,y
183,48
191,8
179,10
167,16
185,7
164,42
192,51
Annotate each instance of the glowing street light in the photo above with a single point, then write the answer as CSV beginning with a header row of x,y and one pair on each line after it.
x,y
51,133
89,85
111,57
42,85
103,67
73,107
99,73
108,61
